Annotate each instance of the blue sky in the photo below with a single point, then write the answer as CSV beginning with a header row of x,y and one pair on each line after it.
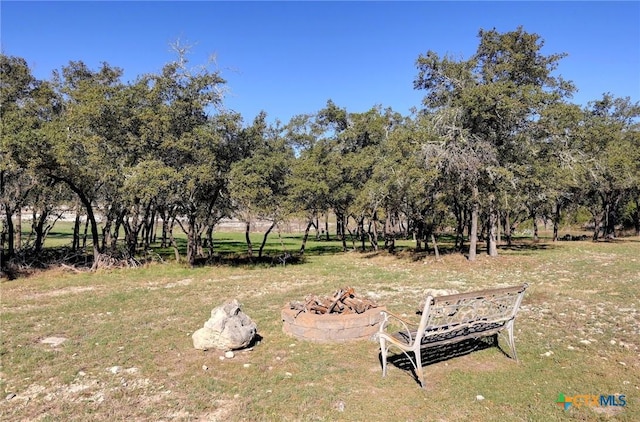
x,y
289,58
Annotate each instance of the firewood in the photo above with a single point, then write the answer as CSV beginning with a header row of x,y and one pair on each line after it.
x,y
343,301
318,309
358,305
337,298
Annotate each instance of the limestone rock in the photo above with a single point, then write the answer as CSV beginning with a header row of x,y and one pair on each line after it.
x,y
228,328
440,292
434,293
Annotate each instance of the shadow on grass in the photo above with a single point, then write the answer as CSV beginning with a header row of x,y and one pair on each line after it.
x,y
444,353
411,254
53,235
524,248
231,249
233,260
323,249
527,247
23,267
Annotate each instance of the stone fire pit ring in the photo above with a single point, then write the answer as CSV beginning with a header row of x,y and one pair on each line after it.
x,y
331,328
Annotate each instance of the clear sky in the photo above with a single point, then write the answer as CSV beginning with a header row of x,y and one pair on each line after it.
x,y
289,58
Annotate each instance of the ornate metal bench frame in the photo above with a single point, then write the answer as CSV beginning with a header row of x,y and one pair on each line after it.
x,y
451,319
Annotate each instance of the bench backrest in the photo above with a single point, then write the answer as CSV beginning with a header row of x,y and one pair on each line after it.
x,y
451,312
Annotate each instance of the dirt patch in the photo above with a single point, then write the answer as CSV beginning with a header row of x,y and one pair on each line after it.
x,y
608,411
62,292
53,341
225,410
91,390
184,282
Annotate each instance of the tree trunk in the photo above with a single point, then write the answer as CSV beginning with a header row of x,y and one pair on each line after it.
x,y
612,200
10,234
483,229
196,241
85,232
306,236
165,230
3,233
386,228
374,233
473,232
146,226
596,227
116,230
132,228
507,228
3,259
76,231
264,239
247,237
636,216
154,229
18,228
556,221
461,217
391,244
362,234
106,231
435,246
192,238
418,235
172,239
607,230
210,240
95,237
38,228
536,239
326,226
492,246
342,228
149,226
91,219
389,235
317,225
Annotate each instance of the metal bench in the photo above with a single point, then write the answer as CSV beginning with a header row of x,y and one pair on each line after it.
x,y
451,319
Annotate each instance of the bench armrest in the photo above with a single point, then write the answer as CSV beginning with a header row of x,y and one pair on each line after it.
x,y
389,317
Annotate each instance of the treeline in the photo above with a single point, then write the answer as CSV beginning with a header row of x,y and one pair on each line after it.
x,y
496,142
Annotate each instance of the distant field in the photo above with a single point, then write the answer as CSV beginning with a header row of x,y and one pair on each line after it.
x,y
127,354
229,238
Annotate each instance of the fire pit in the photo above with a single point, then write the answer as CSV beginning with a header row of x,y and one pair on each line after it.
x,y
338,318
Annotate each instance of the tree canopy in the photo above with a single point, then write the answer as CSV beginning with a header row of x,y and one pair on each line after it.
x,y
496,142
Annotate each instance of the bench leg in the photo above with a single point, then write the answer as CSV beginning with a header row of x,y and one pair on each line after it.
x,y
419,371
384,350
512,343
416,361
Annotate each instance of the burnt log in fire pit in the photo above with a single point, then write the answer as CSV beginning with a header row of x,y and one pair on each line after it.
x,y
339,318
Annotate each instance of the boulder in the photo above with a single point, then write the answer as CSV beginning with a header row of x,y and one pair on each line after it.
x,y
440,292
434,293
228,328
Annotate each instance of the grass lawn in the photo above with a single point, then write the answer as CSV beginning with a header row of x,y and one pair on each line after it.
x,y
128,355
